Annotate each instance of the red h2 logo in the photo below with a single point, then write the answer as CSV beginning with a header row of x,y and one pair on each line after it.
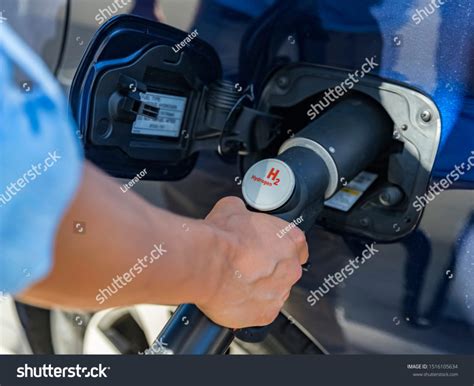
x,y
272,174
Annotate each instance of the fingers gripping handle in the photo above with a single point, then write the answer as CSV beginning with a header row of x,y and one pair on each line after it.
x,y
258,334
189,331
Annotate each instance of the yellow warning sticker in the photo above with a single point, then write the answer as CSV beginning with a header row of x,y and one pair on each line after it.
x,y
348,195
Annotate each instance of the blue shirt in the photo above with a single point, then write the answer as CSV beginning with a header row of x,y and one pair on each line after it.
x,y
40,164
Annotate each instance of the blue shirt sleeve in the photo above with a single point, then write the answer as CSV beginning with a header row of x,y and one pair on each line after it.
x,y
40,164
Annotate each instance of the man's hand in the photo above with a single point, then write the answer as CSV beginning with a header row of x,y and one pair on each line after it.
x,y
232,265
259,268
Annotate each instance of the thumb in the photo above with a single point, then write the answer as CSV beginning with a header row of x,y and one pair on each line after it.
x,y
227,206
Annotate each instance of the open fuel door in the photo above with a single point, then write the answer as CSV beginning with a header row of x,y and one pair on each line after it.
x,y
137,95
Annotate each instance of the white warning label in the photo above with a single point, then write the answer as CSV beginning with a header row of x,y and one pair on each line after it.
x,y
170,115
345,198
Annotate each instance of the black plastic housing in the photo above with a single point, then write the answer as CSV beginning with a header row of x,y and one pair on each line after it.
x,y
128,56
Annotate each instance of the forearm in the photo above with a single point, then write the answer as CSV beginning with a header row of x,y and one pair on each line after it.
x,y
111,264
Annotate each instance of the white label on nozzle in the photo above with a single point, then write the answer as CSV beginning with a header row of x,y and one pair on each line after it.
x,y
268,184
